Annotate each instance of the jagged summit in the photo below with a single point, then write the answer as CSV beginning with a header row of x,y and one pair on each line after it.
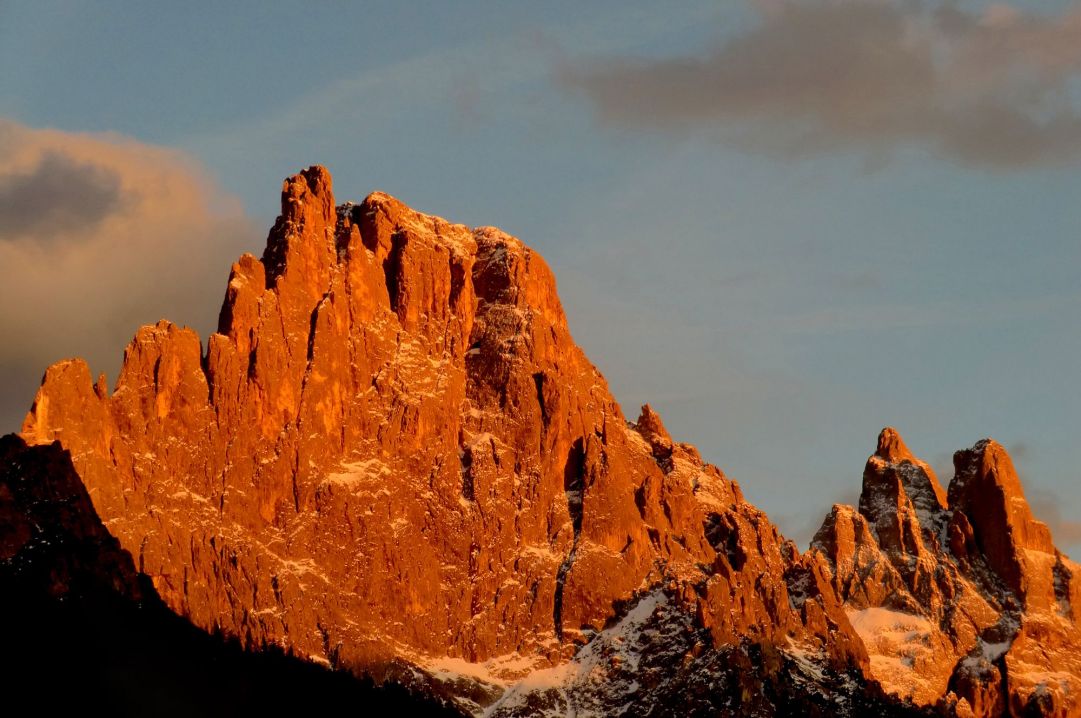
x,y
393,459
393,453
891,447
948,590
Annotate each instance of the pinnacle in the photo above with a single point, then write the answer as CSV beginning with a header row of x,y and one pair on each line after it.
x,y
649,422
891,446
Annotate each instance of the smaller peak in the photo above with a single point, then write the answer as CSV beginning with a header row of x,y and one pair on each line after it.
x,y
891,446
649,421
379,214
844,510
493,244
150,332
57,367
66,389
308,189
651,428
844,513
843,529
986,461
987,446
987,489
378,197
382,203
316,179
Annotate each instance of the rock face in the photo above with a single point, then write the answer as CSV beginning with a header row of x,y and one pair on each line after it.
x,y
960,597
391,458
75,614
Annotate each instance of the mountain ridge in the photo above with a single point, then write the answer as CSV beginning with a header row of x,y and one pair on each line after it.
x,y
391,458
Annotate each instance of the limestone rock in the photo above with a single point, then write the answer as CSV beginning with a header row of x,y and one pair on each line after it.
x,y
393,452
392,459
960,596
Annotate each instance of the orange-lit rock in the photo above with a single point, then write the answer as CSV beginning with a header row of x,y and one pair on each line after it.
x,y
393,456
960,597
393,449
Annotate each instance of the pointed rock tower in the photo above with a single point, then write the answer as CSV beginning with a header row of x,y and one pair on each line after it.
x,y
392,458
960,597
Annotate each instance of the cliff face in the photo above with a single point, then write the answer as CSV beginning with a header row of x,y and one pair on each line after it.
x,y
76,616
393,459
960,596
392,449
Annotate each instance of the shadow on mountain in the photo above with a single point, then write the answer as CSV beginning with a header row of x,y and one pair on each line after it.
x,y
82,630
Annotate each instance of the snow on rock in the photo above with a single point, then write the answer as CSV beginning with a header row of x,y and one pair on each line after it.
x,y
896,641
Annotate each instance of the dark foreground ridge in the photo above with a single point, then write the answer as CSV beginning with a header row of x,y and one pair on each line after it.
x,y
84,632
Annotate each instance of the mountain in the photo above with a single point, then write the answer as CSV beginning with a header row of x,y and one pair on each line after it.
x,y
392,460
83,631
958,591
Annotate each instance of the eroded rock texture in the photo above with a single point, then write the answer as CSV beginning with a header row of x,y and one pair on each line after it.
x,y
961,598
84,633
393,459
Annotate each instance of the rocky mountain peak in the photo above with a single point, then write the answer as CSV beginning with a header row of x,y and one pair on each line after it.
x,y
392,459
893,462
948,590
891,447
1018,547
302,238
901,497
392,453
650,426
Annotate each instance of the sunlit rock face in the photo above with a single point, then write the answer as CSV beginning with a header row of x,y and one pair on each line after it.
x,y
960,596
392,458
393,451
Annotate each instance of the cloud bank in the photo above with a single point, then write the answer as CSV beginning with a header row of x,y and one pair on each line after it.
x,y
994,89
100,234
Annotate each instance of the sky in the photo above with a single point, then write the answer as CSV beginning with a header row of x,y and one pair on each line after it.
x,y
785,224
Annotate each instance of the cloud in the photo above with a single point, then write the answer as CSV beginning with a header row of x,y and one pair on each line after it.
x,y
100,234
28,200
989,90
1018,450
1045,505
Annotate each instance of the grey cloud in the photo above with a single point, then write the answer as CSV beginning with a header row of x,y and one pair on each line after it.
x,y
942,464
1066,531
57,196
100,234
1046,504
1018,450
986,89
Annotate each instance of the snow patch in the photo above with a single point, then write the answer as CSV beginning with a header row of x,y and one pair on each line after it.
x,y
359,472
618,644
895,642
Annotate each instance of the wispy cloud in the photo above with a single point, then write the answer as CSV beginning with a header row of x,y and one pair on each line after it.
x,y
989,89
99,234
461,80
1046,505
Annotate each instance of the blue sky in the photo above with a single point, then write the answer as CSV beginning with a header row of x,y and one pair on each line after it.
x,y
778,302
